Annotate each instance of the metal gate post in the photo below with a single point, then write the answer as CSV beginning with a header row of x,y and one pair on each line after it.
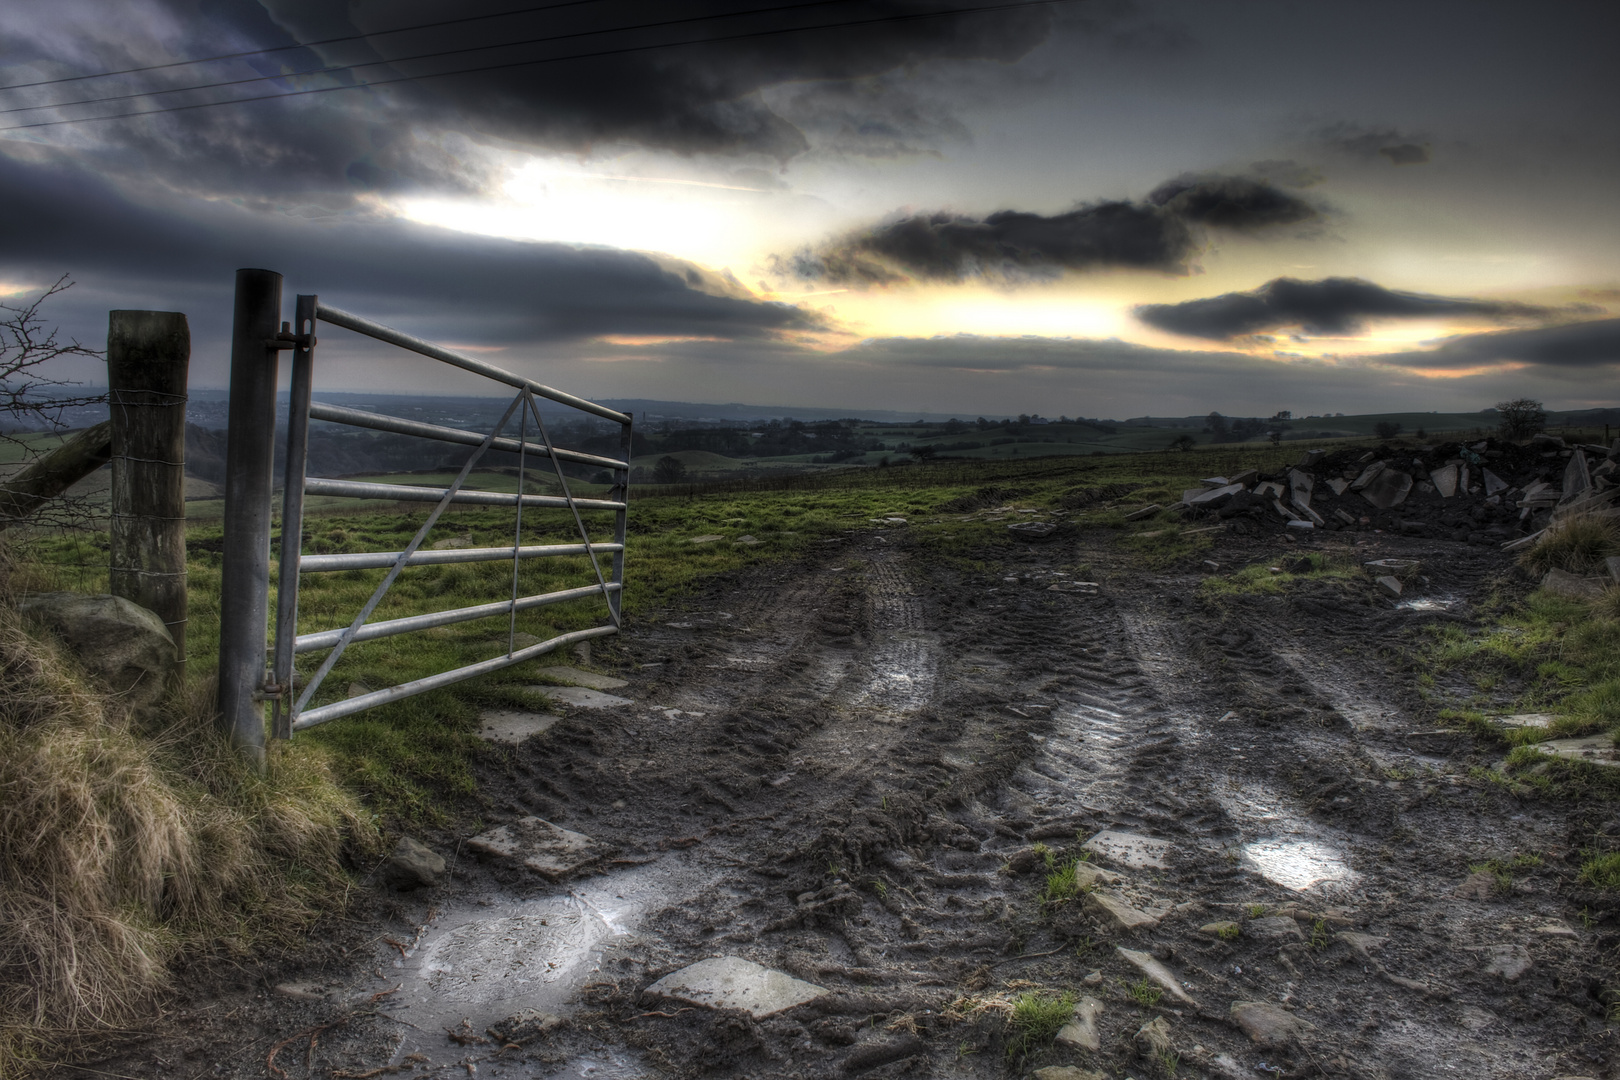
x,y
244,601
292,515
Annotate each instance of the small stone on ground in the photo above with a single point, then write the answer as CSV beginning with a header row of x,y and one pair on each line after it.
x,y
512,726
730,982
1157,972
1130,850
537,844
1268,1025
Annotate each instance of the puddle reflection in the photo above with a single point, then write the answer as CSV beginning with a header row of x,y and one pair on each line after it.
x,y
1298,864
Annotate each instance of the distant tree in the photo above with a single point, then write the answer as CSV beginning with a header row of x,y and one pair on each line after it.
x,y
1387,429
1422,434
923,452
1183,442
1520,418
1216,424
669,470
1276,434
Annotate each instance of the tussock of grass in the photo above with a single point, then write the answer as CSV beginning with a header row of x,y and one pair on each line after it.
x,y
1602,871
123,850
1062,883
1035,1020
1578,545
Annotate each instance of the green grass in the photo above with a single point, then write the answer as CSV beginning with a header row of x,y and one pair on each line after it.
x,y
1601,871
1062,883
1035,1020
1145,993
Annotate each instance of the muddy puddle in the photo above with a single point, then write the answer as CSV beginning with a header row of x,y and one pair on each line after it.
x,y
479,962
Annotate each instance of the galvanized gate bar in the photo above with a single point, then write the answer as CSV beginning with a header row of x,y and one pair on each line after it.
x,y
404,690
399,563
327,639
466,363
337,414
573,504
355,489
292,517
379,560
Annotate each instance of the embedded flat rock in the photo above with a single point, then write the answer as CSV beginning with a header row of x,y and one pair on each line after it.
x,y
1130,850
513,725
537,844
1156,971
571,676
580,697
1594,749
730,982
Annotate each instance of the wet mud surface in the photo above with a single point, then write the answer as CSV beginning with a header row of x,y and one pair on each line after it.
x,y
857,770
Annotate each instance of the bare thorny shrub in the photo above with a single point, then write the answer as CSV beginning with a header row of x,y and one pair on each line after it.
x,y
32,398
128,845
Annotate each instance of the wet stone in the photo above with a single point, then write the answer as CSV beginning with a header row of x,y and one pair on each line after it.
x,y
512,726
1268,1025
580,697
1528,720
1390,586
1594,750
572,676
412,865
1130,850
1118,916
730,982
525,1027
1081,1032
1157,972
1275,927
537,844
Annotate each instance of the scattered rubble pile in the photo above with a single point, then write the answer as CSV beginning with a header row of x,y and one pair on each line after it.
x,y
1487,492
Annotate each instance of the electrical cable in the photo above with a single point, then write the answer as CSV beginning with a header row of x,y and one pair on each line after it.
x,y
722,39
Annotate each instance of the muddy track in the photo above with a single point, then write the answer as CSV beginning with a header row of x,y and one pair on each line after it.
x,y
839,770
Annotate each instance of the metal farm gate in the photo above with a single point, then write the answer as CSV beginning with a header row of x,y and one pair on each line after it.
x,y
246,680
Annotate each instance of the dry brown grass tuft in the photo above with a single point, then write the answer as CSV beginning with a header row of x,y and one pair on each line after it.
x,y
125,848
1578,545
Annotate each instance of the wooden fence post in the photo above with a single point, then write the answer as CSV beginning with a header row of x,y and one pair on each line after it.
x,y
148,353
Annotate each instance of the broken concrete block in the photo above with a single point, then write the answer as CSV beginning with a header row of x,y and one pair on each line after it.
x,y
1573,586
1311,457
1158,973
1189,494
1116,915
1494,485
1338,486
1368,475
1269,1025
1215,496
1211,566
580,697
1130,850
1270,488
1577,475
1301,525
1388,489
1246,477
572,676
1390,586
1146,512
512,726
1081,1032
1214,481
537,844
1445,481
730,982
1300,485
1345,516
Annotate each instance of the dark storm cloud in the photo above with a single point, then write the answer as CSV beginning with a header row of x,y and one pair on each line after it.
x,y
702,98
1582,345
56,219
1369,144
1158,234
1328,306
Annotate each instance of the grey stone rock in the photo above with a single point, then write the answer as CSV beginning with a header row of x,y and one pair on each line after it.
x,y
1367,475
1363,945
1573,586
1445,481
1338,486
123,644
1300,485
1207,500
1593,749
882,1050
1157,973
1268,1025
730,982
1033,531
1081,1032
1389,586
1116,915
545,848
572,676
513,726
1388,489
1494,485
412,865
1246,477
1577,475
525,1027
1275,928
1130,850
580,697
1152,1039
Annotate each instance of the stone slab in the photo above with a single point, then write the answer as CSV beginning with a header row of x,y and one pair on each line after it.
x,y
1214,496
1269,1025
708,539
1445,481
1275,927
730,982
580,697
1158,973
573,676
1594,750
1081,1032
1130,850
513,725
1117,916
1573,586
1338,485
1388,489
1529,719
1368,475
533,842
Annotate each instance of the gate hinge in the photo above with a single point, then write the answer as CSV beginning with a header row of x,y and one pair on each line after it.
x,y
289,340
269,691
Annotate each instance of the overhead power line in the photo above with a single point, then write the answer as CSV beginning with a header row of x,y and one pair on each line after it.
x,y
302,44
337,68
623,50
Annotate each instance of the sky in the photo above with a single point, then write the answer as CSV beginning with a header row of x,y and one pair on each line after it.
x,y
1101,208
